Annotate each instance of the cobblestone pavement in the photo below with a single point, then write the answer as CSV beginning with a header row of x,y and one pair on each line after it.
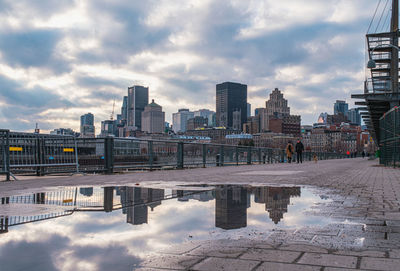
x,y
367,204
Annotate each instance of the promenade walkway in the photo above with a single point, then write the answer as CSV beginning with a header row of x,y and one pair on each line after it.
x,y
368,202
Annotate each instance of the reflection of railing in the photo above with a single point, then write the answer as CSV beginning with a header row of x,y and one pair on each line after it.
x,y
46,154
390,138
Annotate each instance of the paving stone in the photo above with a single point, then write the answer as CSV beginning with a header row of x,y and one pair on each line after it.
x,y
180,249
154,269
219,264
370,263
178,262
271,255
212,251
339,269
395,253
267,266
328,260
366,253
303,248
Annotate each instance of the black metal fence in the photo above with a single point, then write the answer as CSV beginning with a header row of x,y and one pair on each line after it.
x,y
40,154
390,138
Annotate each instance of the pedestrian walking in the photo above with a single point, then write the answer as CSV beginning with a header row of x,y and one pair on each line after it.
x,y
363,154
289,151
299,151
315,158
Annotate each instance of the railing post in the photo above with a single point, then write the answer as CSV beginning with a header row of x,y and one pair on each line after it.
x,y
237,155
39,154
204,155
221,156
6,154
249,155
76,155
151,154
259,156
180,162
109,154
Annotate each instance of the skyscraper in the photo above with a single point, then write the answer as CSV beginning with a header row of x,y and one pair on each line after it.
x,y
138,98
353,115
179,120
205,113
153,119
231,97
248,110
87,125
124,109
277,104
340,107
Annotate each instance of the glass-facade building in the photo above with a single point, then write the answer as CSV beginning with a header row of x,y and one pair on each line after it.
x,y
231,97
138,98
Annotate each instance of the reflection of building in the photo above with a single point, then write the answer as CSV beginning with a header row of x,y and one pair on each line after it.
x,y
108,199
231,207
86,191
186,195
276,200
134,201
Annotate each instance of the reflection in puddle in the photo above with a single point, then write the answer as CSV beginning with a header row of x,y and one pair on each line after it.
x,y
132,221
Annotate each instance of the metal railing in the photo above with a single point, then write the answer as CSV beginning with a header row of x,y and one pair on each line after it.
x,y
40,154
390,138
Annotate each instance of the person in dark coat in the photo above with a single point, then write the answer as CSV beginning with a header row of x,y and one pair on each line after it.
x,y
299,150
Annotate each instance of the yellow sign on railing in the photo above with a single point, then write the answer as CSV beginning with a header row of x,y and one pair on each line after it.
x,y
15,148
67,201
68,149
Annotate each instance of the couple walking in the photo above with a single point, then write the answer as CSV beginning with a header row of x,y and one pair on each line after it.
x,y
299,150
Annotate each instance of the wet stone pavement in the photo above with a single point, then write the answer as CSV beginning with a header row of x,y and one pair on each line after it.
x,y
336,215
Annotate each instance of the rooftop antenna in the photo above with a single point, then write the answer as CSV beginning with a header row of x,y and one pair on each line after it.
x,y
112,113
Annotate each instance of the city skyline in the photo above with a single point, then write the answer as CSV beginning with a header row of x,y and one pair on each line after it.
x,y
82,56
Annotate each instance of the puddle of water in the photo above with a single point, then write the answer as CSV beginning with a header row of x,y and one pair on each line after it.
x,y
115,227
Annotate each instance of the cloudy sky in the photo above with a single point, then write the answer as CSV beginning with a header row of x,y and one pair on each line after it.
x,y
60,59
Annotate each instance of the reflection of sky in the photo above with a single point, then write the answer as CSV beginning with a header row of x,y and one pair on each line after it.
x,y
104,241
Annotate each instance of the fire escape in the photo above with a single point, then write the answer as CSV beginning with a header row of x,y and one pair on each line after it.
x,y
381,90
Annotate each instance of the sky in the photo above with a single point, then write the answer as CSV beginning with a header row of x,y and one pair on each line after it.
x,y
61,59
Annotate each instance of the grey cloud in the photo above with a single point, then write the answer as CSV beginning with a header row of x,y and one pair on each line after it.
x,y
38,7
38,255
33,48
14,93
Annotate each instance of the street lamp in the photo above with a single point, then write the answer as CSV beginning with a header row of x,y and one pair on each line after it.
x,y
371,63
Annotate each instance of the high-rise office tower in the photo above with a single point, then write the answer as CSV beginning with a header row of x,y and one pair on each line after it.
x,y
353,115
124,109
138,98
87,125
248,110
179,120
231,97
153,119
277,104
340,107
205,113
